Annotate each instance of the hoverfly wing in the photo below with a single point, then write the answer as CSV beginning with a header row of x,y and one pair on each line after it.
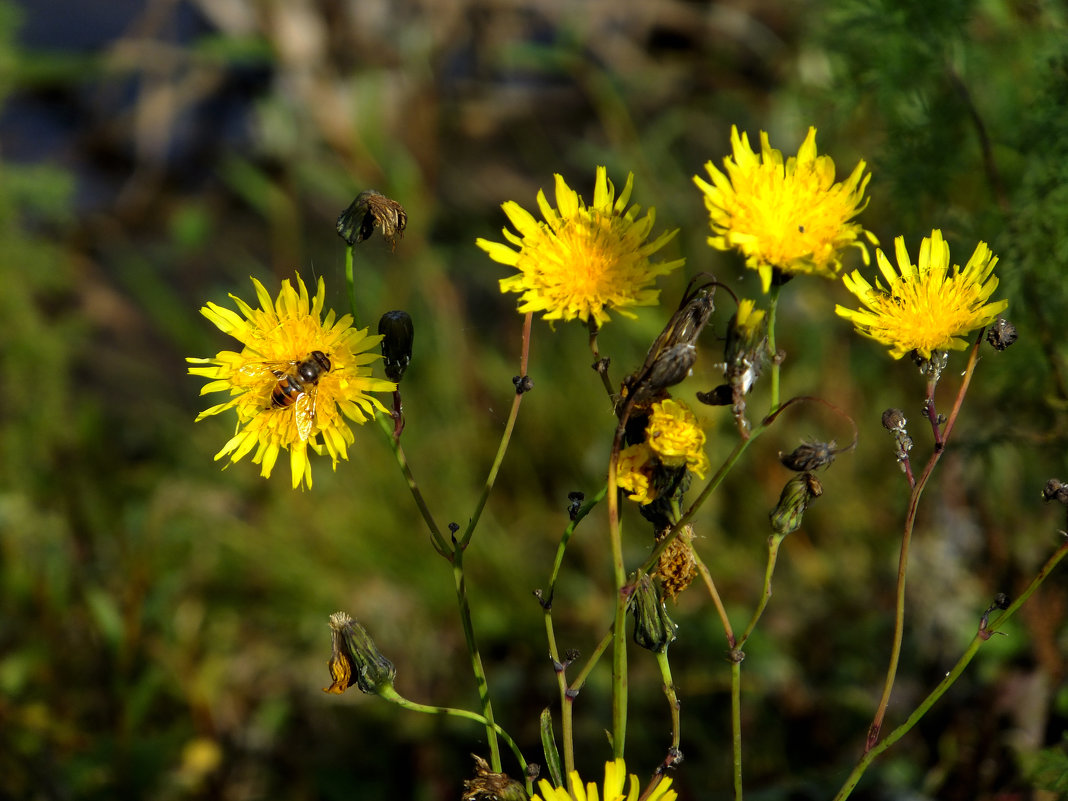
x,y
304,414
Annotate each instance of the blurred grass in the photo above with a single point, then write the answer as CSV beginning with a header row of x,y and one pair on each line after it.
x,y
164,626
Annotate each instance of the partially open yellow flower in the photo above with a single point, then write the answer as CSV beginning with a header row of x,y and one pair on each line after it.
x,y
676,438
927,306
615,777
634,473
296,378
582,260
788,218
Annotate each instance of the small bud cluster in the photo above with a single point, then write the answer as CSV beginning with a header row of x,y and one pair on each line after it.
x,y
894,421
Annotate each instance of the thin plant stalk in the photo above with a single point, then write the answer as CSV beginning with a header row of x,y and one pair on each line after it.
x,y
981,637
773,305
736,723
906,539
350,279
619,629
774,541
390,694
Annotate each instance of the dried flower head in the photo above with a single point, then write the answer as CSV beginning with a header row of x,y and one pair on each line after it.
x,y
372,210
582,260
677,567
786,218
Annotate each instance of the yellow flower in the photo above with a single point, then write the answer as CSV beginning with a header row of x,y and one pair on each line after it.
x,y
634,472
788,218
278,408
582,259
925,307
676,438
615,776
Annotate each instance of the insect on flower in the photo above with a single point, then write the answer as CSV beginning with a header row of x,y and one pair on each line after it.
x,y
296,387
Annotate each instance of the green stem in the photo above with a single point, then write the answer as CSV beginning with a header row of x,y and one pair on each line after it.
x,y
774,541
350,280
736,723
390,694
441,545
981,637
476,657
619,629
906,540
672,697
566,695
506,437
773,305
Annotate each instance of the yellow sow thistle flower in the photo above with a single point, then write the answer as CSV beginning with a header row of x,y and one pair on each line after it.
x,y
676,438
296,378
925,307
582,260
634,472
790,218
615,777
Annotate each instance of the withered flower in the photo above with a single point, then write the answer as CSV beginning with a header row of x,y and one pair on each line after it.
x,y
356,659
677,566
1001,334
372,210
809,456
490,786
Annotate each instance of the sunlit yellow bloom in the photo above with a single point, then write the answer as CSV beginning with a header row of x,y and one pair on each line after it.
x,y
676,438
926,306
790,217
634,472
615,777
277,337
582,260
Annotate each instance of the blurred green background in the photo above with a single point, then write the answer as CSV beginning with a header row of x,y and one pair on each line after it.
x,y
163,623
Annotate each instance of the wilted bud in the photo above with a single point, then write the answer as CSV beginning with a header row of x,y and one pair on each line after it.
x,y
722,395
1002,333
677,566
490,786
372,210
794,500
356,659
1055,490
654,630
809,456
894,420
397,335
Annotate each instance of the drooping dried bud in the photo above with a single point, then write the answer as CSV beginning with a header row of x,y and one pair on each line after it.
x,y
356,659
722,395
677,566
793,501
1001,334
397,336
490,786
654,629
372,210
1055,490
809,456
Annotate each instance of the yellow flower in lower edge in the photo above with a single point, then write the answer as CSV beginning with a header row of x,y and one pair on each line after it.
x,y
634,472
582,259
615,777
925,307
676,438
791,217
277,408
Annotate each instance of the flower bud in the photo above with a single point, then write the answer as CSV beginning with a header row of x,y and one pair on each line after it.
x,y
356,659
794,500
809,456
368,211
654,630
1055,490
1001,334
894,420
397,335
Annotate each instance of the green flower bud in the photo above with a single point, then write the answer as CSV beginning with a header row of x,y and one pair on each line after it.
x,y
356,659
654,630
794,500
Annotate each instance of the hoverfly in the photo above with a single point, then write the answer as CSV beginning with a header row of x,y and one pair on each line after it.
x,y
296,386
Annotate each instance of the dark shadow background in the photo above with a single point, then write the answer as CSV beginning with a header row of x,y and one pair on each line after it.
x,y
163,623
